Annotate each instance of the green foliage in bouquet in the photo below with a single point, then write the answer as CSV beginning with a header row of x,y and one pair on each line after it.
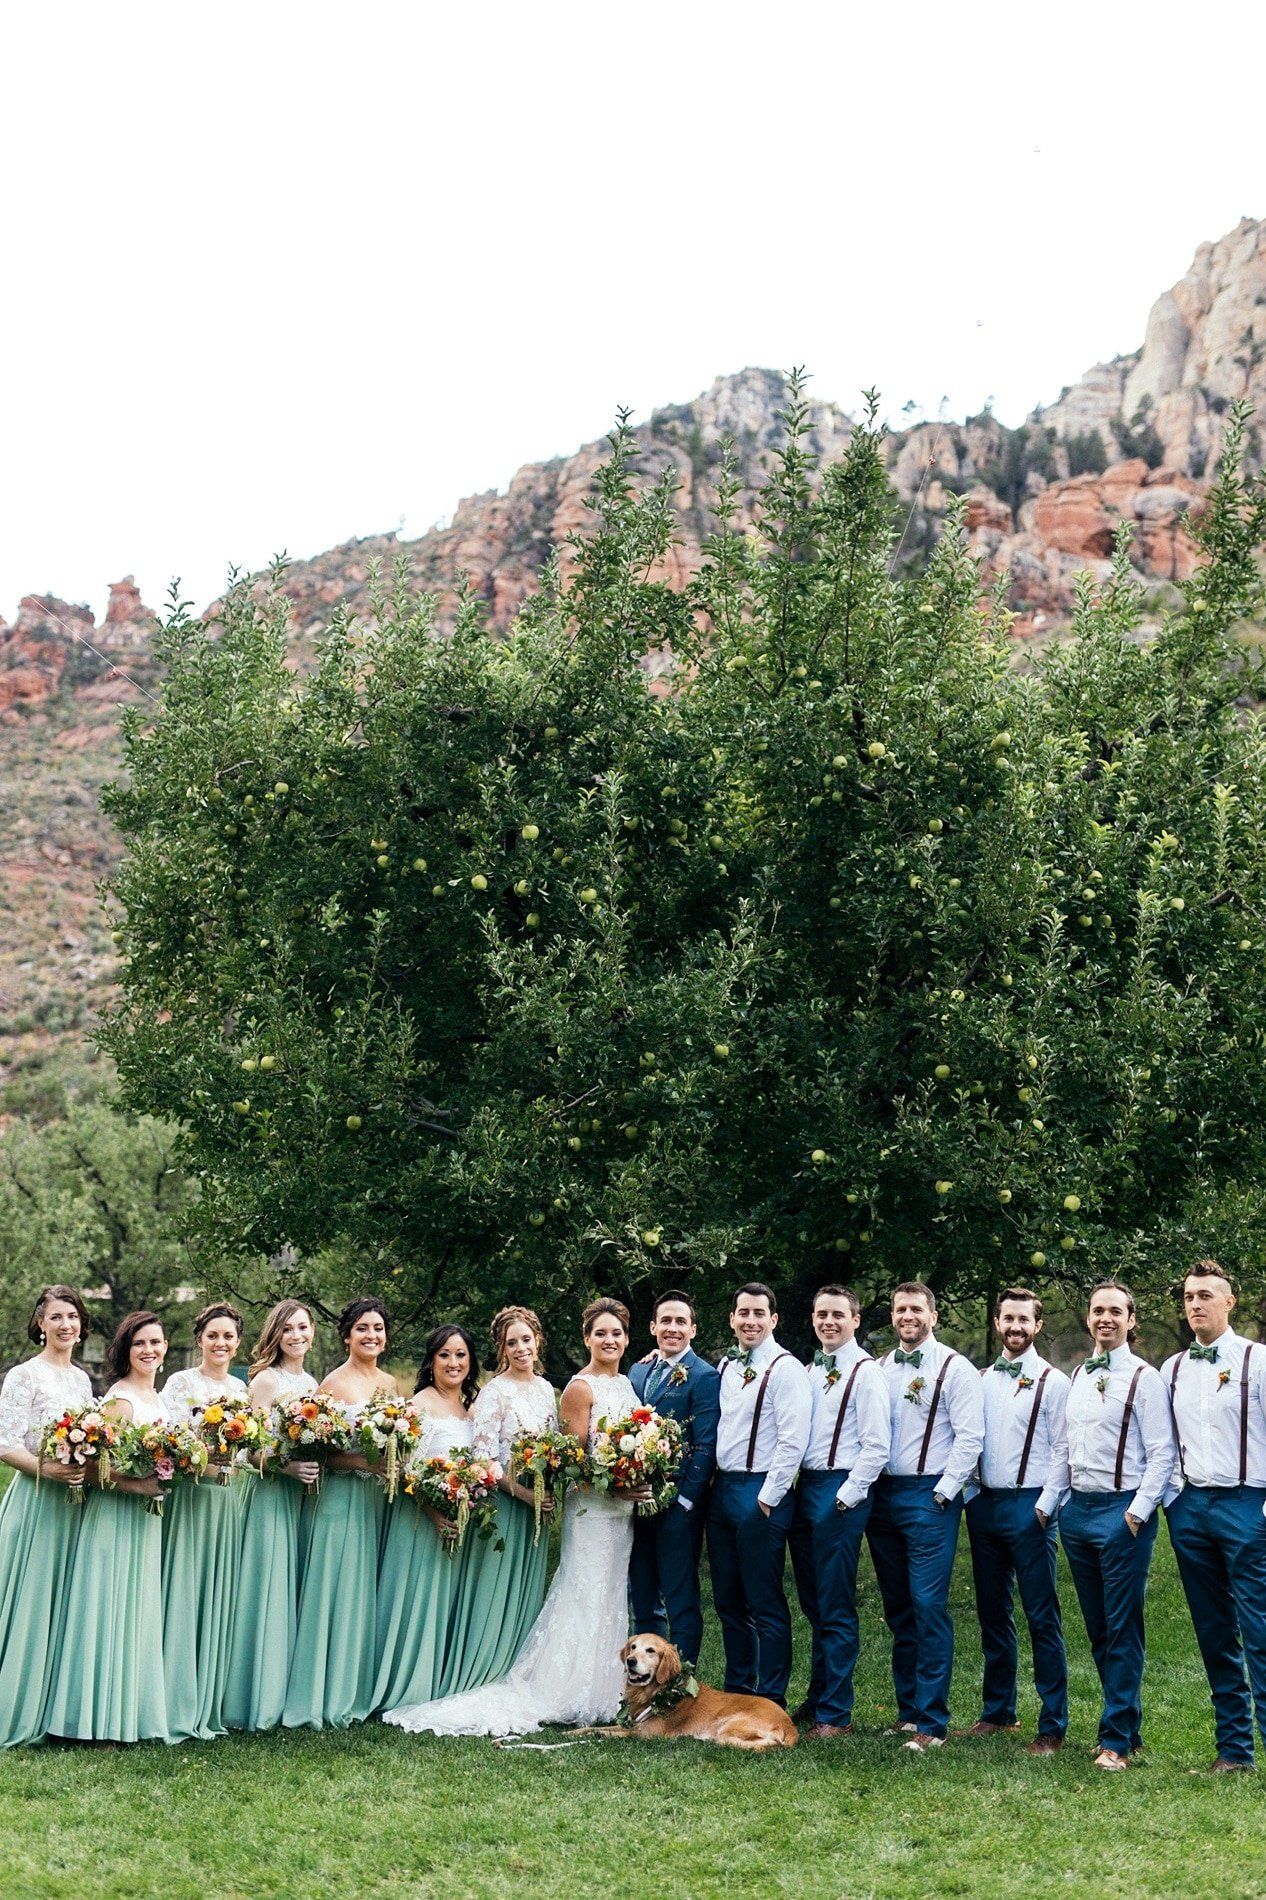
x,y
847,947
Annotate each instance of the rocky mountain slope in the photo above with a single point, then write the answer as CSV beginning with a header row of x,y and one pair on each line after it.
x,y
1134,440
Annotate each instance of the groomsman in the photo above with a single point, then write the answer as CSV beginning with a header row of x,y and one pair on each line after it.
x,y
764,1430
1119,1455
664,1567
1216,1525
848,1448
1010,1523
937,1422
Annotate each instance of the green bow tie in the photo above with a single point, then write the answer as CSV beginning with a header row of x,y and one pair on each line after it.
x,y
1203,1352
743,1357
826,1359
1012,1367
1101,1360
900,1358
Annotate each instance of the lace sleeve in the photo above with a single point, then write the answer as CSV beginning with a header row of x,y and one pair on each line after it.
x,y
488,1418
16,1395
179,1397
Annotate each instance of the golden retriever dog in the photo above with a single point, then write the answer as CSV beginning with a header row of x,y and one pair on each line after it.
x,y
652,1666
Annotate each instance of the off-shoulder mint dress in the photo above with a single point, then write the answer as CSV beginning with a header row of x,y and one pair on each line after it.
x,y
332,1670
202,1539
266,1612
39,1528
108,1673
499,1592
417,1581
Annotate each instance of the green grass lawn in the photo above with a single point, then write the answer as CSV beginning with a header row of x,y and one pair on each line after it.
x,y
377,1813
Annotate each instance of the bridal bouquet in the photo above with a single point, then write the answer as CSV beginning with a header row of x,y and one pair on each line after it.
x,y
548,1461
638,1449
460,1487
171,1453
307,1425
387,1428
229,1426
81,1436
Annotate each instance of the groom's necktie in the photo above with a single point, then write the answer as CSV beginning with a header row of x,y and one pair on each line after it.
x,y
657,1379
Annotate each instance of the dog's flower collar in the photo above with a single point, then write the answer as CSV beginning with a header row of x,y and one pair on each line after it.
x,y
663,1699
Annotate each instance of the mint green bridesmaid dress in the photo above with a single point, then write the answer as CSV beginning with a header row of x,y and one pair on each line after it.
x,y
332,1670
39,1528
108,1674
202,1541
263,1639
499,1593
417,1581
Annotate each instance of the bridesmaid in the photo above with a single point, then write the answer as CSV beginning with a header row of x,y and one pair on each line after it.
x,y
108,1673
332,1672
263,1637
500,1592
418,1575
202,1536
39,1523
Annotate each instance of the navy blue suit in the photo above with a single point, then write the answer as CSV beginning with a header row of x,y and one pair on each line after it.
x,y
664,1567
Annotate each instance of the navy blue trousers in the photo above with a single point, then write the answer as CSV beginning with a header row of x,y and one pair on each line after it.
x,y
825,1547
1110,1569
1219,1539
664,1577
1009,1550
747,1554
912,1546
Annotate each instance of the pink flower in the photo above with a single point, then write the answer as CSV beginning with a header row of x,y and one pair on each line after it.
x,y
164,1468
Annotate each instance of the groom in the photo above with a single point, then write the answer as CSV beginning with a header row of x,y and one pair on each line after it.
x,y
664,1567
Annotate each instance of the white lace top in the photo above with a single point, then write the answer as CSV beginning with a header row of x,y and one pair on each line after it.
x,y
186,1391
288,1382
507,1407
441,1435
32,1396
144,1411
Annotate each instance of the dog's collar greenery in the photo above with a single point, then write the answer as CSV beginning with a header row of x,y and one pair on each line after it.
x,y
663,1699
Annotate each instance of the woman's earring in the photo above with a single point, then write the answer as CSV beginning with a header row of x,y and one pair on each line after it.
x,y
43,1339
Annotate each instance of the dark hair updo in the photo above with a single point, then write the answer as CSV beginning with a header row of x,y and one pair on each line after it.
x,y
219,1309
357,1309
35,1325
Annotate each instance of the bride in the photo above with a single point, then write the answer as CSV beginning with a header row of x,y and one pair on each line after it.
x,y
568,1670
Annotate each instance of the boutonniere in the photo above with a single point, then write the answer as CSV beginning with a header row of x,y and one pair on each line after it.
x,y
678,1376
914,1391
1101,1384
1023,1383
749,1373
833,1377
1224,1377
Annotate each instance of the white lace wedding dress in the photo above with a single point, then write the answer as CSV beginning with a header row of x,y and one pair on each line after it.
x,y
569,1669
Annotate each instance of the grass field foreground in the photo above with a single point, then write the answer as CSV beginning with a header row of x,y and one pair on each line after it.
x,y
376,1813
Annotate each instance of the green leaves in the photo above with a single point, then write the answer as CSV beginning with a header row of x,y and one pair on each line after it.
x,y
952,920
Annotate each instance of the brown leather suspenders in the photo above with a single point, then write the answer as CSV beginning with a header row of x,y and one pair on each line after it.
x,y
1126,1416
1173,1387
936,1399
1029,1435
839,1416
760,1402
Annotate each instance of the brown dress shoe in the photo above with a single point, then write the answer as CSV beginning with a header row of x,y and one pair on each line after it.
x,y
990,1728
1224,1766
1045,1745
828,1732
921,1742
1109,1759
803,1712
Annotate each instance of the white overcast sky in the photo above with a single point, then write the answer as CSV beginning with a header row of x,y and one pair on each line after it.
x,y
276,274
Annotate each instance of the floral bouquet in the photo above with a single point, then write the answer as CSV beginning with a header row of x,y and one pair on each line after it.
x,y
81,1436
229,1426
307,1425
548,1461
460,1488
171,1453
640,1448
387,1429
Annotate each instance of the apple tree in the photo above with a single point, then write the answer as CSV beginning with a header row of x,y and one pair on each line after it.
x,y
865,950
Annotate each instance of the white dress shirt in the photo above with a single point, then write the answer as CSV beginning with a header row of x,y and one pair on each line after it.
x,y
1206,1410
1092,1435
958,1430
785,1417
1009,1403
862,1450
